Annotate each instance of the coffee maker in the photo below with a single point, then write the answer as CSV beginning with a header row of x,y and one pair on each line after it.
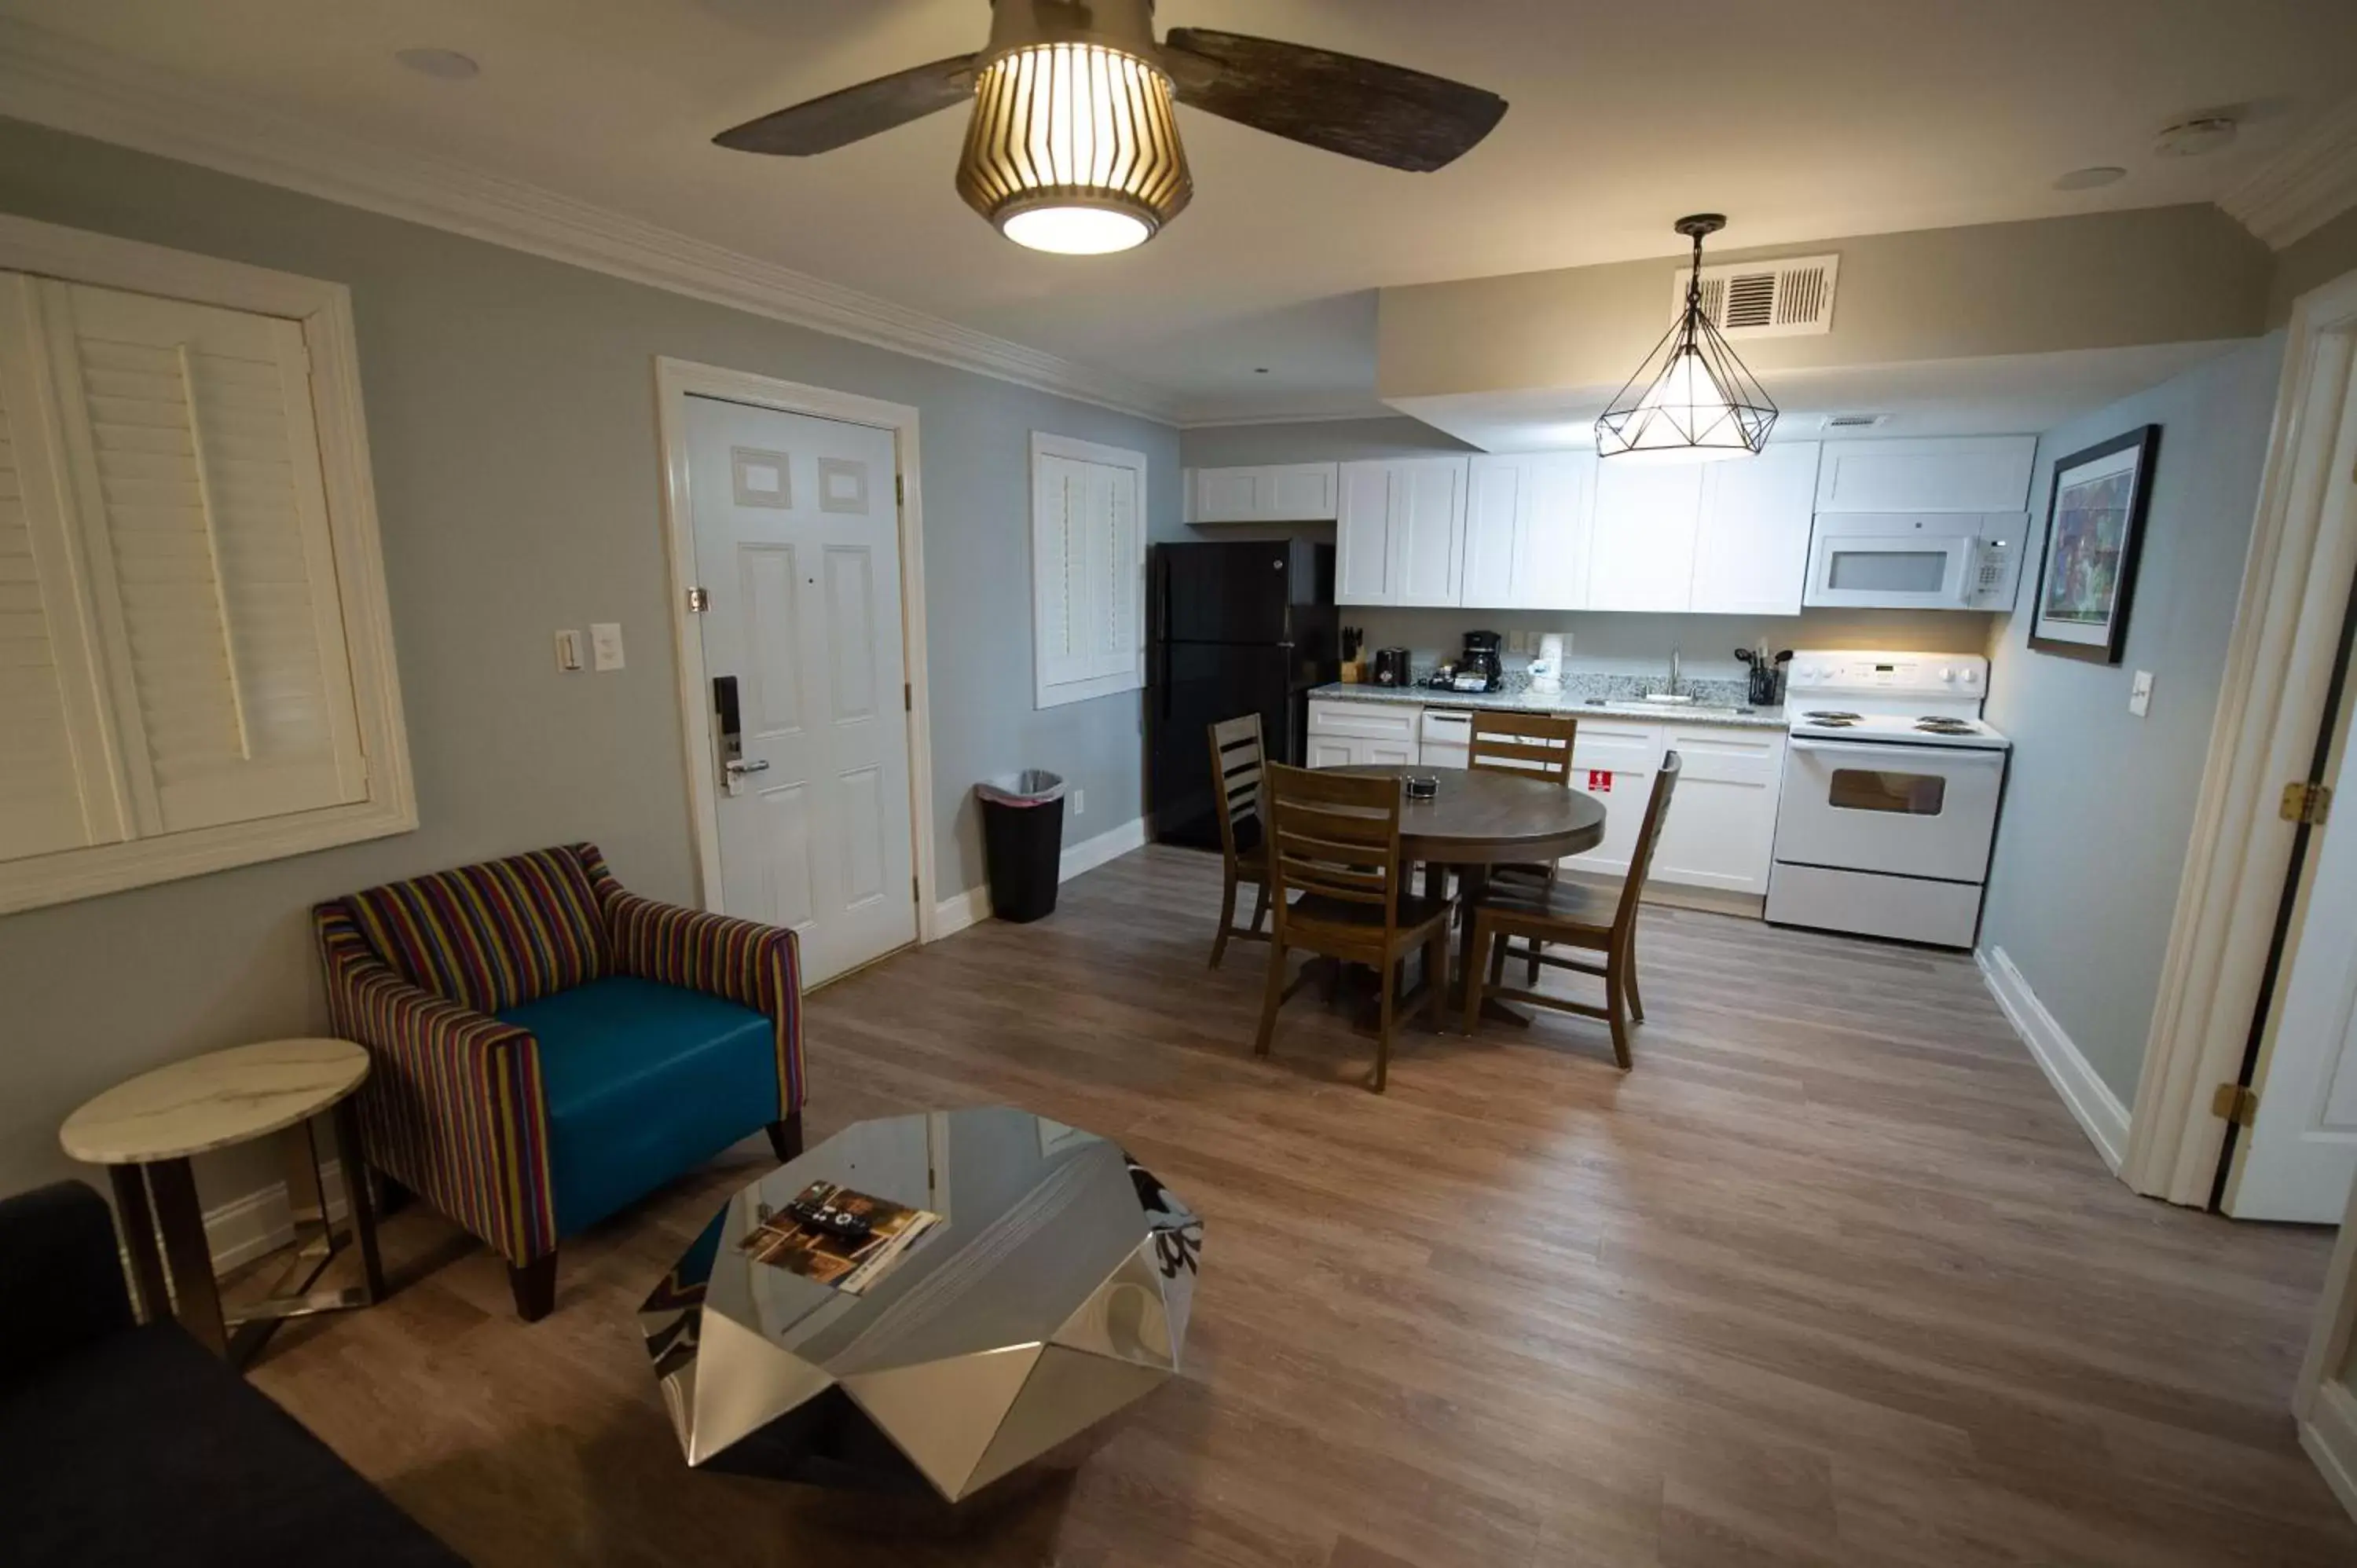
x,y
1480,659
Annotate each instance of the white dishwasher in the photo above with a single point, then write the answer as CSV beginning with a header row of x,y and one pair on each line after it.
x,y
1447,739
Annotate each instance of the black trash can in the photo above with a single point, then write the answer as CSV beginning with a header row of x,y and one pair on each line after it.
x,y
1023,842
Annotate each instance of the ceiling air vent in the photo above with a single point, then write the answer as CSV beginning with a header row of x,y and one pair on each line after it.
x,y
1783,298
1855,421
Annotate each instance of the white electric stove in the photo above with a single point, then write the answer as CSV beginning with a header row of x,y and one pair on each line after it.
x,y
1891,795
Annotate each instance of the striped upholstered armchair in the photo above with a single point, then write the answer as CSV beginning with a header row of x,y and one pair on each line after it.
x,y
550,1046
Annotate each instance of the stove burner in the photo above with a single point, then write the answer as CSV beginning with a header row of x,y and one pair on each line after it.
x,y
1831,718
1943,726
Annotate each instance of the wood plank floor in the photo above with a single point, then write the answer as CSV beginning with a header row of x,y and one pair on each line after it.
x,y
1830,1277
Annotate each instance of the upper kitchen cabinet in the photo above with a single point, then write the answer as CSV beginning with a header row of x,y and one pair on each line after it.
x,y
1641,551
1526,531
1752,545
1282,492
1980,473
1400,536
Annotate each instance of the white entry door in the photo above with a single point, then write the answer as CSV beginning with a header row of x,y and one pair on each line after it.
x,y
797,547
2300,1155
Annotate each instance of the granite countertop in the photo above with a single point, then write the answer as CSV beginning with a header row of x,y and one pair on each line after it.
x,y
1570,700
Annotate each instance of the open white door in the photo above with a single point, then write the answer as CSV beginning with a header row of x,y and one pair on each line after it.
x,y
796,548
2299,1156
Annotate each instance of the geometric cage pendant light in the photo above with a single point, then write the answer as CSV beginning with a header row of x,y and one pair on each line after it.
x,y
1692,400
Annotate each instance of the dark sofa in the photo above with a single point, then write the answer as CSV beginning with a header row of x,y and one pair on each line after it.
x,y
123,1444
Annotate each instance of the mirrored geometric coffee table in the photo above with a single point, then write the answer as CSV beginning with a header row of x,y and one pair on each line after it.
x,y
1053,1292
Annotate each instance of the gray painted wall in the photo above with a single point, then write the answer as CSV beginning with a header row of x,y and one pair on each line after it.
x,y
512,415
2099,805
1705,644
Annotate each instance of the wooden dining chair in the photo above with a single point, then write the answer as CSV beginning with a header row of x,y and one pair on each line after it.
x,y
1538,745
1572,915
1334,840
1236,763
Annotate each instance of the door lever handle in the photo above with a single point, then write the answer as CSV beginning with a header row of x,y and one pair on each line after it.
x,y
741,768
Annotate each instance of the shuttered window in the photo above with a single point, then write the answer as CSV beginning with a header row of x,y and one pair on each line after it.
x,y
1088,545
180,688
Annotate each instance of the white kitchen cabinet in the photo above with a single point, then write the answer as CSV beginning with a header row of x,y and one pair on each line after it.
x,y
1641,546
1721,831
1751,543
1345,733
1281,492
1976,473
1614,760
1526,531
1400,536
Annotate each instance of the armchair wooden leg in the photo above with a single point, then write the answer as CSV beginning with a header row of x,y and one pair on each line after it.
x,y
1260,904
1227,916
1636,1001
786,1137
1616,1008
534,1286
1272,997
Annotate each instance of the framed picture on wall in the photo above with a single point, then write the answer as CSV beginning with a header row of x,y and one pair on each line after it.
x,y
2095,532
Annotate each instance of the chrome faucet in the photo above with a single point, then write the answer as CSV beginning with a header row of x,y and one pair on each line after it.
x,y
1672,688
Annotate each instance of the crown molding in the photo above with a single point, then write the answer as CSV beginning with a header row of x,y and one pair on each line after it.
x,y
71,86
1207,416
2308,183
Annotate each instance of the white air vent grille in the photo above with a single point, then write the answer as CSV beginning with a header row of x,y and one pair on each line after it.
x,y
1788,297
1855,421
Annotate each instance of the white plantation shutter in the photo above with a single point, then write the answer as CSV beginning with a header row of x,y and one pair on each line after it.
x,y
202,516
1088,574
54,793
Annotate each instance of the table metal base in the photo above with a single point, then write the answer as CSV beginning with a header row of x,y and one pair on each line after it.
x,y
180,1279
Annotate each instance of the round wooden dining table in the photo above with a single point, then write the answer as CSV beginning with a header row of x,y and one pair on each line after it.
x,y
1482,818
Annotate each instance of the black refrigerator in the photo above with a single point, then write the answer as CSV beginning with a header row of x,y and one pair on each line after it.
x,y
1235,629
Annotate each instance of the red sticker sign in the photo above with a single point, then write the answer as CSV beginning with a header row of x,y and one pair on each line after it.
x,y
1599,782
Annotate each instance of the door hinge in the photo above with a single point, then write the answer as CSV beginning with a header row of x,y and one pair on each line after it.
x,y
2309,803
698,600
2232,1102
900,490
908,697
916,890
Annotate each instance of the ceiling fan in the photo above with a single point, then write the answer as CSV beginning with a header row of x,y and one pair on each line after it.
x,y
1073,146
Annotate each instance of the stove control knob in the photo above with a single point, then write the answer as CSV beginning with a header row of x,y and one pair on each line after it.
x,y
1971,677
1947,674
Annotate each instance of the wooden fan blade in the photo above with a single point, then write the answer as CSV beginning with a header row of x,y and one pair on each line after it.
x,y
1360,108
839,119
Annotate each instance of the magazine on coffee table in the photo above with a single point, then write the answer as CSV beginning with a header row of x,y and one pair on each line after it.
x,y
836,1236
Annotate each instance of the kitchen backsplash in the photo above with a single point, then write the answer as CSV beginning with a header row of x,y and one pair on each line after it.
x,y
1611,686
1639,646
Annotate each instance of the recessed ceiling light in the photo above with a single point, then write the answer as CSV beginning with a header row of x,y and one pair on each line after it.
x,y
443,65
2088,178
2192,138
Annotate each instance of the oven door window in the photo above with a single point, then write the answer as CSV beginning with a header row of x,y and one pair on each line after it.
x,y
1881,571
1901,794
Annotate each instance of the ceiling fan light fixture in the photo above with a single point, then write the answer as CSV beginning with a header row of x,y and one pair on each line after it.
x,y
1073,147
1692,400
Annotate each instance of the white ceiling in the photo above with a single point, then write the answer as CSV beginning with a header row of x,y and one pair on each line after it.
x,y
1803,121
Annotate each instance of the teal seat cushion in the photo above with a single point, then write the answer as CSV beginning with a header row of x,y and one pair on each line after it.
x,y
645,1082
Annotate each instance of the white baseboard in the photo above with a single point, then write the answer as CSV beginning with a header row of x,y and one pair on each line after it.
x,y
1090,854
959,910
2099,1111
259,1223
2329,1433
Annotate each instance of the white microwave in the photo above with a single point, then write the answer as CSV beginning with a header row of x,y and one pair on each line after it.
x,y
1915,560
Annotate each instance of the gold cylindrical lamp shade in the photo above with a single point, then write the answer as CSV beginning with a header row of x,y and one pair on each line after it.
x,y
1074,147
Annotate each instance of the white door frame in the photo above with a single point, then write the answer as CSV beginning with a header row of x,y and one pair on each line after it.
x,y
2271,706
675,380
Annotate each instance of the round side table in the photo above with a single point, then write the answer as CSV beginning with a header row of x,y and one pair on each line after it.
x,y
144,1132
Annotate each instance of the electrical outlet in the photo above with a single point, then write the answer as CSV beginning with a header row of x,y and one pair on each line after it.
x,y
606,644
1079,802
568,650
2140,694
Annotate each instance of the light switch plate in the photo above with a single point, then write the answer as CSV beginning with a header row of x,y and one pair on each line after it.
x,y
2140,694
606,644
568,650
1079,802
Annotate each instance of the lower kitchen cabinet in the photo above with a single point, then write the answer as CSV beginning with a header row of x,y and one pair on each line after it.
x,y
1614,760
1721,830
1347,734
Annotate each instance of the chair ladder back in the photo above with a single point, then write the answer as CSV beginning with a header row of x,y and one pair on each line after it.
x,y
1333,836
1537,745
1236,770
1649,832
